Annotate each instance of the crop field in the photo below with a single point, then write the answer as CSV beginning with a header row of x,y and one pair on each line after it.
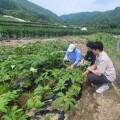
x,y
36,71
36,84
36,80
12,30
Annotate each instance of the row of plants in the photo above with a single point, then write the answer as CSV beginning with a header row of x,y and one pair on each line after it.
x,y
37,71
16,31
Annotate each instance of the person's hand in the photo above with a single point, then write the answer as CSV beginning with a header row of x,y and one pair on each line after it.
x,y
82,62
71,66
86,73
89,68
65,59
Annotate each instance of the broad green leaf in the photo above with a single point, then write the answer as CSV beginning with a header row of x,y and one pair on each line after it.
x,y
58,102
61,94
72,106
66,107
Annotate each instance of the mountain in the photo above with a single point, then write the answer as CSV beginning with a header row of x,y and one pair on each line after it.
x,y
105,19
28,11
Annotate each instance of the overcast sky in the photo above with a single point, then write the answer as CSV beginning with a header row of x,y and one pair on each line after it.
x,y
61,7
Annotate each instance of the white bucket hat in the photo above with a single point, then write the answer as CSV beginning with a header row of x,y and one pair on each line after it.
x,y
71,47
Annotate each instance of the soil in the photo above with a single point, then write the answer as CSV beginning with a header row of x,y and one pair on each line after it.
x,y
91,106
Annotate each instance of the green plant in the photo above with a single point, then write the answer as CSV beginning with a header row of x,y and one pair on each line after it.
x,y
27,83
34,101
44,77
32,63
60,85
74,89
29,94
85,65
4,87
48,116
68,101
6,98
40,89
76,75
55,73
14,114
70,104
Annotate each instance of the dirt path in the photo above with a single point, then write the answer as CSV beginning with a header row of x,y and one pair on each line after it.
x,y
94,106
91,106
77,40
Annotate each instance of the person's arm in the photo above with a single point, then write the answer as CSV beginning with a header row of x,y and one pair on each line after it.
x,y
72,66
90,67
78,59
96,72
82,62
100,69
86,56
66,56
93,66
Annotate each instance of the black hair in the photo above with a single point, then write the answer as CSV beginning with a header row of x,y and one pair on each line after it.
x,y
97,45
89,44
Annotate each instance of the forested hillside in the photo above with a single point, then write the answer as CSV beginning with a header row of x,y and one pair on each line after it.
x,y
28,11
108,19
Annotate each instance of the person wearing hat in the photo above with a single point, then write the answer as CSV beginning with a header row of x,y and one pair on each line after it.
x,y
73,55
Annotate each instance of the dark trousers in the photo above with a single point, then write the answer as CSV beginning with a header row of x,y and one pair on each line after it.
x,y
97,80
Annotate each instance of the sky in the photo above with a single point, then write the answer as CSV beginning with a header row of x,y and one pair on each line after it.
x,y
62,7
